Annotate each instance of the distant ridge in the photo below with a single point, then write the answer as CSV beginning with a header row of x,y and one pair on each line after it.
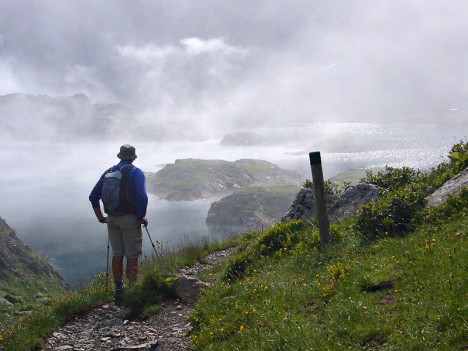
x,y
64,118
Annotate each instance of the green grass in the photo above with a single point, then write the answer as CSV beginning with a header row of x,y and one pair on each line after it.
x,y
401,293
393,290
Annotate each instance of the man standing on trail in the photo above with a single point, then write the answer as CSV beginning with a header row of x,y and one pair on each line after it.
x,y
122,189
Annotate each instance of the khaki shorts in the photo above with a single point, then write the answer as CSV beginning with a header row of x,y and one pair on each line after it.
x,y
125,235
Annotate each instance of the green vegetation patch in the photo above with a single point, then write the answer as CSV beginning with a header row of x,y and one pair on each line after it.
x,y
190,179
400,293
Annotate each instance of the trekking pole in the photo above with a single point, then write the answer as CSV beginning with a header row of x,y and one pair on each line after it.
x,y
107,268
154,247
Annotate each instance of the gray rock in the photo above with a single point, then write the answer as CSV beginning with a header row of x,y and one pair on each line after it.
x,y
349,202
187,289
5,301
450,187
338,207
304,206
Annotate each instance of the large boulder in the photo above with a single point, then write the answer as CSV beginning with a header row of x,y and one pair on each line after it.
x,y
450,187
338,207
304,206
349,202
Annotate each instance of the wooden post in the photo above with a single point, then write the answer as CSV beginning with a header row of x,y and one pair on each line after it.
x,y
320,197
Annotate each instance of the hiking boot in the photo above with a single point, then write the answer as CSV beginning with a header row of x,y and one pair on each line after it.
x,y
119,294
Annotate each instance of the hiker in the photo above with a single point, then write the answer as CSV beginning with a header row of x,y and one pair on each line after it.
x,y
126,213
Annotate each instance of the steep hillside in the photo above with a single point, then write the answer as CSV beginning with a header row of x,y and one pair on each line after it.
x,y
192,179
25,277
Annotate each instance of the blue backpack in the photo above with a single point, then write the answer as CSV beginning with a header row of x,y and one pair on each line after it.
x,y
115,192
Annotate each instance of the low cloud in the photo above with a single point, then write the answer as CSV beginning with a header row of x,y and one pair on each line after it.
x,y
223,65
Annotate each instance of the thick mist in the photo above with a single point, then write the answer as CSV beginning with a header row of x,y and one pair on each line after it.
x,y
201,67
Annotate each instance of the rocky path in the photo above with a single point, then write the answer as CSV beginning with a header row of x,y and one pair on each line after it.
x,y
104,327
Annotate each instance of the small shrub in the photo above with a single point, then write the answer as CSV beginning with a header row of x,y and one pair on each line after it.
x,y
281,236
237,266
458,155
392,178
393,214
278,240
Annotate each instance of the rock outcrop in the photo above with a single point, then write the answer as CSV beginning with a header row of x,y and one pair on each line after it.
x,y
339,207
304,206
25,277
349,202
18,259
451,187
250,208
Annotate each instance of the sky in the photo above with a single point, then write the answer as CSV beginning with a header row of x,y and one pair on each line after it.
x,y
244,61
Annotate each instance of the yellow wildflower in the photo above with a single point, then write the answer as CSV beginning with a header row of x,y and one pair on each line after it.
x,y
241,328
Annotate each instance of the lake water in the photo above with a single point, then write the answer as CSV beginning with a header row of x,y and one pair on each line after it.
x,y
44,187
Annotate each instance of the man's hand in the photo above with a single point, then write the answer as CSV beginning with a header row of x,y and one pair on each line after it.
x,y
103,220
144,221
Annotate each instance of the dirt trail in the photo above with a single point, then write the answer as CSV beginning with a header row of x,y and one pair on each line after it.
x,y
103,328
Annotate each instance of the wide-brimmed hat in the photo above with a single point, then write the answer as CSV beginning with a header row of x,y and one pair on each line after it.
x,y
127,153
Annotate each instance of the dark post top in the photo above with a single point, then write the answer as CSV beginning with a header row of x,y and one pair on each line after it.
x,y
315,158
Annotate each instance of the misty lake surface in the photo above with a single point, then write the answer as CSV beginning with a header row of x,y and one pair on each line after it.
x,y
44,187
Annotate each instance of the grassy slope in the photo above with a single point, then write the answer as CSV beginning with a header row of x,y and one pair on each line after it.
x,y
404,293
394,279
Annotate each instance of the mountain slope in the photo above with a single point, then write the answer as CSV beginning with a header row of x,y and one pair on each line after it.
x,y
25,277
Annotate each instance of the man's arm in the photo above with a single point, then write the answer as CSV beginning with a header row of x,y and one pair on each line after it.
x,y
141,197
100,217
94,198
